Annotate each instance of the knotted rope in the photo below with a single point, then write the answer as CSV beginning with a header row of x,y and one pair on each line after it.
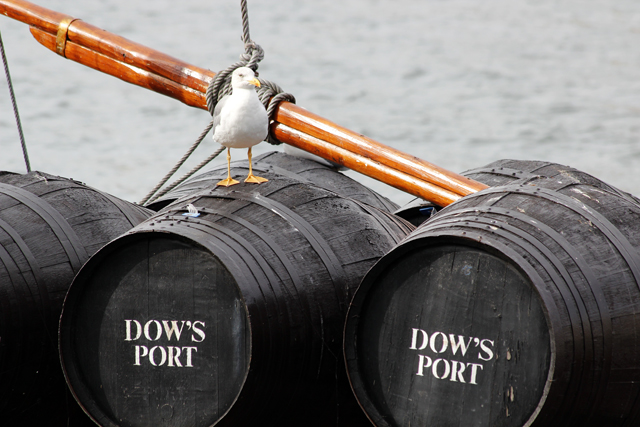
x,y
269,93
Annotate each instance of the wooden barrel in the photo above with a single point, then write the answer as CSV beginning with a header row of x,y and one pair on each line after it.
x,y
502,172
505,171
276,164
233,317
515,306
417,211
49,226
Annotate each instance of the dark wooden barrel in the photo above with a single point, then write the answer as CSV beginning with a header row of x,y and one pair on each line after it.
x,y
516,306
501,172
505,171
276,164
49,226
417,211
233,317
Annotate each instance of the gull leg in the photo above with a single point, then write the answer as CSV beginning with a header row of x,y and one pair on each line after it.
x,y
229,181
251,177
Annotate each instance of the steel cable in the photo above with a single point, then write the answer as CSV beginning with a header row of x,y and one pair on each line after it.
x,y
15,105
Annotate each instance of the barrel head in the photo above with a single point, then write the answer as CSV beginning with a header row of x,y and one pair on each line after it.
x,y
448,335
155,332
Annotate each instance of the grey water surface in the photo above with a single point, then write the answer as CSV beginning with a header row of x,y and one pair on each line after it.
x,y
460,83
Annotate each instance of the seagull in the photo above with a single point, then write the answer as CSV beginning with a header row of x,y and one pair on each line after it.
x,y
240,121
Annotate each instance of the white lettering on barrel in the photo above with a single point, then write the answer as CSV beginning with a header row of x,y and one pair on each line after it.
x,y
422,364
414,339
486,349
189,365
158,331
460,344
434,368
474,371
458,347
138,330
445,342
457,369
198,332
145,351
173,329
152,359
174,358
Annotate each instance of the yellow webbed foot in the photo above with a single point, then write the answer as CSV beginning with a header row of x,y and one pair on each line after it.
x,y
255,179
227,182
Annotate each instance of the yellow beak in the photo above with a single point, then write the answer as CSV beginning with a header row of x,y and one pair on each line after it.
x,y
254,82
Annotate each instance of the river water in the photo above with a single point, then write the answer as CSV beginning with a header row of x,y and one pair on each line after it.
x,y
460,83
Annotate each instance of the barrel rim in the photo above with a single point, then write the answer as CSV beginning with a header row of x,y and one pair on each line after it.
x,y
266,164
417,241
79,389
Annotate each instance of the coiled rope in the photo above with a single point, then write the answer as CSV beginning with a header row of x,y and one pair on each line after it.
x,y
269,93
15,105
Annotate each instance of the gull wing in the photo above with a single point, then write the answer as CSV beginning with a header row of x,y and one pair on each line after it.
x,y
216,112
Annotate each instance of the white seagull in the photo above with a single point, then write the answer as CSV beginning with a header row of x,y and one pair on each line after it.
x,y
240,120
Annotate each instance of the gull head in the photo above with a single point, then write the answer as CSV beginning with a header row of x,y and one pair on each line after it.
x,y
244,78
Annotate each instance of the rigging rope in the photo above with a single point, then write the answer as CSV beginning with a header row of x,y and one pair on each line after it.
x,y
15,106
269,93
147,199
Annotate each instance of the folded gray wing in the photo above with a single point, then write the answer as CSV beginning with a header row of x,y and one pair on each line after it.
x,y
216,112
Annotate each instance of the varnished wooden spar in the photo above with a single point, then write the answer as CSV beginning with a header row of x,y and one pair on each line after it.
x,y
128,72
142,66
100,41
364,164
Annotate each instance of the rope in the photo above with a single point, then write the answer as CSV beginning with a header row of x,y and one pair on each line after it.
x,y
15,106
269,93
163,181
188,174
245,22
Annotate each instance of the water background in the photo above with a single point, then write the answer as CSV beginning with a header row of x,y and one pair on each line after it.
x,y
459,83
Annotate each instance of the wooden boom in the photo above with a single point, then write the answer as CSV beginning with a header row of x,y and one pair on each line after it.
x,y
134,63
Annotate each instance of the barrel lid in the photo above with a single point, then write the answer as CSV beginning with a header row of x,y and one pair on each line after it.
x,y
155,332
448,331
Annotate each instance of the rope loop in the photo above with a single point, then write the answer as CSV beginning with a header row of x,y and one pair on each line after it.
x,y
253,55
221,83
269,93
